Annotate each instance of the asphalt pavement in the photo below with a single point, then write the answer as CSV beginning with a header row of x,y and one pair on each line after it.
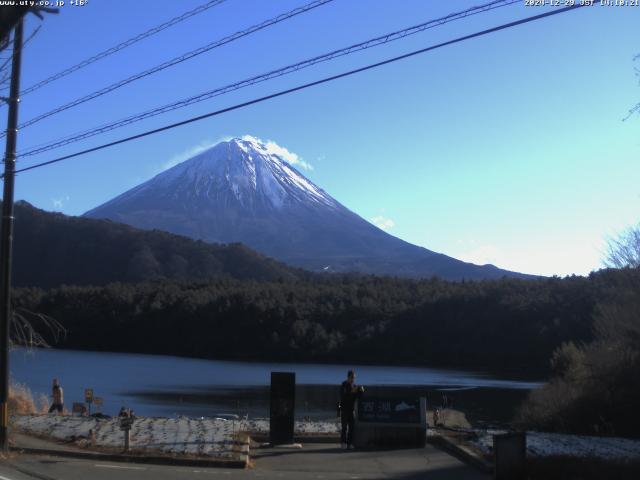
x,y
313,461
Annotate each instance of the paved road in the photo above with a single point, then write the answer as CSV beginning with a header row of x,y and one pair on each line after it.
x,y
318,461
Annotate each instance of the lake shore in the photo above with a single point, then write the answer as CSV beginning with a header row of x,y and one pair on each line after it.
x,y
226,438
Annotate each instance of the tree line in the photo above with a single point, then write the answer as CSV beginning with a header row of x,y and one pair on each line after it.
x,y
346,318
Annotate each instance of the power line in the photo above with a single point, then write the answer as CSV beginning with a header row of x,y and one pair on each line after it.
x,y
6,76
121,46
177,60
31,35
380,40
304,86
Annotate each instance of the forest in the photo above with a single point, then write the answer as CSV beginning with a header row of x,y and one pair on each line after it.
x,y
348,318
53,249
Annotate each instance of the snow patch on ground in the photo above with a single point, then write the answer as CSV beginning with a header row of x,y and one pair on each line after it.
x,y
300,426
218,436
540,444
193,436
208,437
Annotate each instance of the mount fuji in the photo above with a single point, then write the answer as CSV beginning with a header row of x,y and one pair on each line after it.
x,y
244,190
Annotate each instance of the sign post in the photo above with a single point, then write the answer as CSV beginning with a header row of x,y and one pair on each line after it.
x,y
126,422
98,402
88,397
282,407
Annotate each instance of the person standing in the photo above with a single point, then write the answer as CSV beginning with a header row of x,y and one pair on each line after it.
x,y
58,397
349,393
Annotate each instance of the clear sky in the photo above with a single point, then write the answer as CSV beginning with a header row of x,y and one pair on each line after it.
x,y
507,149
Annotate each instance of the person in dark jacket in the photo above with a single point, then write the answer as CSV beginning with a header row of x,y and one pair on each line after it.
x,y
349,393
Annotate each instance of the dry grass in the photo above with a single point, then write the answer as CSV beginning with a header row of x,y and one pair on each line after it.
x,y
43,404
21,400
449,418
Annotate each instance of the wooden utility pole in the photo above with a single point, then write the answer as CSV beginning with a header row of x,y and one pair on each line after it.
x,y
6,240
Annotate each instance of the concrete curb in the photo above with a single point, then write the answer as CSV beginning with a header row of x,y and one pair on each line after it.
x,y
300,438
242,462
461,452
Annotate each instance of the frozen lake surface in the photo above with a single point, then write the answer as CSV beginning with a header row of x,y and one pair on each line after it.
x,y
156,385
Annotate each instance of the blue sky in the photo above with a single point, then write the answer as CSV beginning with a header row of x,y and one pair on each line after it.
x,y
507,149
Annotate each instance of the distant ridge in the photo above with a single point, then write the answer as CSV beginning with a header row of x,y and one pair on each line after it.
x,y
51,249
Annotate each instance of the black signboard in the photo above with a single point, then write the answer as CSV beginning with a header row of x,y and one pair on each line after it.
x,y
389,410
510,450
283,390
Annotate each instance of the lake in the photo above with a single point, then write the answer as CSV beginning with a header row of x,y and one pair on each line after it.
x,y
155,385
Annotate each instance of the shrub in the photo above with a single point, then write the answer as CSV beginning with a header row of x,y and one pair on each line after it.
x,y
594,387
21,400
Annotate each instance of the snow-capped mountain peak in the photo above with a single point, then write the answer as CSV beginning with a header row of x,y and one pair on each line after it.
x,y
250,191
255,174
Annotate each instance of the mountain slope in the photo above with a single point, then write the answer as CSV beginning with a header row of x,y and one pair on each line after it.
x,y
244,191
51,249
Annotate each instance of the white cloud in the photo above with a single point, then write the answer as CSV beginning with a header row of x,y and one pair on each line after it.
x,y
59,202
288,156
382,222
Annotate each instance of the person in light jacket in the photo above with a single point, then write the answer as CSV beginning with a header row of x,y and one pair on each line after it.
x,y
58,397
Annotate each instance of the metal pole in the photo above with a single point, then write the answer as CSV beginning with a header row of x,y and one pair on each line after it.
x,y
126,440
6,242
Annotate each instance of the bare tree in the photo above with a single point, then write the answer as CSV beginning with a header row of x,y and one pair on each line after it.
x,y
28,329
624,251
636,108
5,70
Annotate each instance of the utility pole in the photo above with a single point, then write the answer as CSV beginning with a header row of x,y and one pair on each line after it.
x,y
6,241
